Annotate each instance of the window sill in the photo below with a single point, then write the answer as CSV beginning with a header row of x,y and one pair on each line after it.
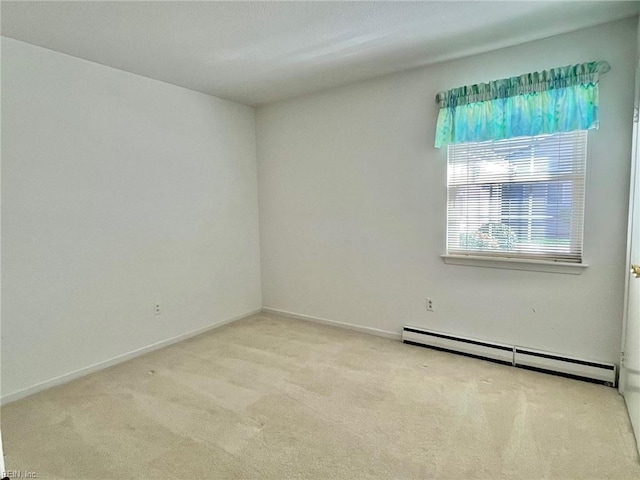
x,y
516,264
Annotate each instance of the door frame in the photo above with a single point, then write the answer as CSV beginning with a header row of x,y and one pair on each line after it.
x,y
633,205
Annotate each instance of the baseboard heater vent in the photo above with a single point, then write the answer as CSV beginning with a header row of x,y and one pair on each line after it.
x,y
567,366
512,355
467,346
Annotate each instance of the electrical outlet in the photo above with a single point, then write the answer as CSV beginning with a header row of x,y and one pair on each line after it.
x,y
429,304
156,309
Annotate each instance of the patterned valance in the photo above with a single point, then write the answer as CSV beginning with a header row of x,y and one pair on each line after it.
x,y
558,100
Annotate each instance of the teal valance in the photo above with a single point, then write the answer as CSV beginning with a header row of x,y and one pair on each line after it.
x,y
562,99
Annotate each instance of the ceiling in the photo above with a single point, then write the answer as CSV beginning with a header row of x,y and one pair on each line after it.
x,y
260,52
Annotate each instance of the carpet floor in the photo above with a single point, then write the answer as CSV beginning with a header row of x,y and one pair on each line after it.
x,y
275,398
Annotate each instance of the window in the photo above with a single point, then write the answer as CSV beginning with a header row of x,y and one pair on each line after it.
x,y
519,198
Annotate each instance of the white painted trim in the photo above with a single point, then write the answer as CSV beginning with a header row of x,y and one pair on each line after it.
x,y
515,264
325,321
3,472
67,377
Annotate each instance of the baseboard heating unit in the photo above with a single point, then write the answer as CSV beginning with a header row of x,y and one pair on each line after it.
x,y
522,357
466,346
569,366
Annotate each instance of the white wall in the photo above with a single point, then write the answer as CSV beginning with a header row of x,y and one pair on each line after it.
x,y
117,192
352,207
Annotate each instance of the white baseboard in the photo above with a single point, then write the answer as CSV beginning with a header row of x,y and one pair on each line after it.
x,y
67,377
325,321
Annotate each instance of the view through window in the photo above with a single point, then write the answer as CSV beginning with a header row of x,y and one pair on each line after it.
x,y
518,198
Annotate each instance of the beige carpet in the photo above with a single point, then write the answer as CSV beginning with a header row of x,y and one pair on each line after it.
x,y
275,398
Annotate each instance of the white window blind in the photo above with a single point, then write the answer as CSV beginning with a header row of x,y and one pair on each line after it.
x,y
518,198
